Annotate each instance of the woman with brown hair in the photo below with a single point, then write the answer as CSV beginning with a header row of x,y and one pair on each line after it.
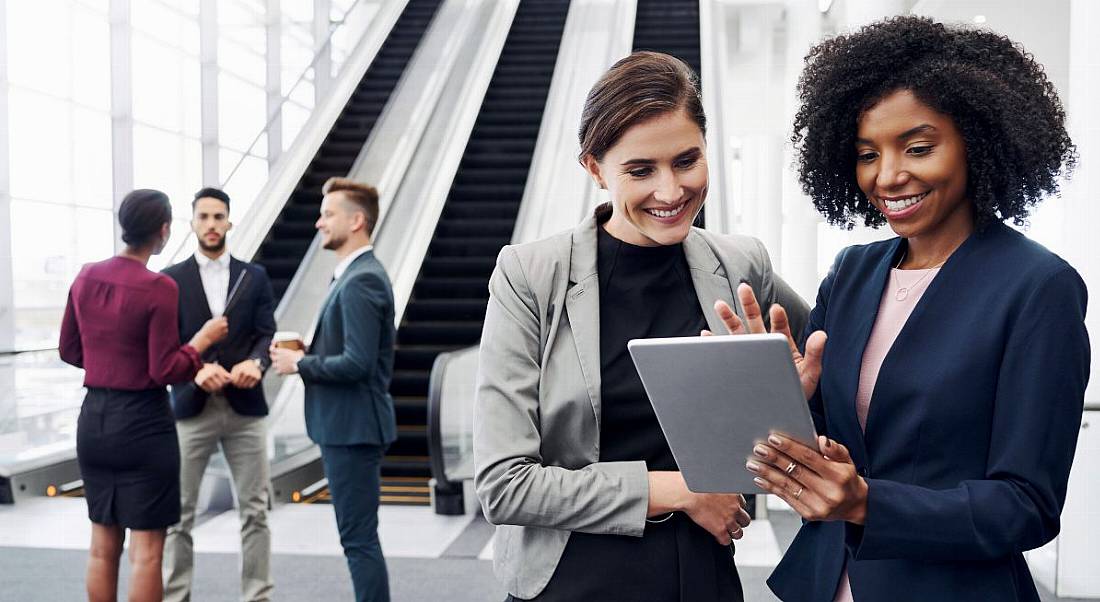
x,y
570,461
120,326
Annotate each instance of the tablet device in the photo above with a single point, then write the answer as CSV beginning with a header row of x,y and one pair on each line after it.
x,y
716,397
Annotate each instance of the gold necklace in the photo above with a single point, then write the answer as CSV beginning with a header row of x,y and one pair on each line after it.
x,y
903,291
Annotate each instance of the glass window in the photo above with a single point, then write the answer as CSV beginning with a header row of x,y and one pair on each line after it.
x,y
158,83
244,183
242,114
91,159
42,268
39,46
40,133
91,53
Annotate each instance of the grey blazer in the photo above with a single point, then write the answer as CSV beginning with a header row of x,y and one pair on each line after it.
x,y
537,413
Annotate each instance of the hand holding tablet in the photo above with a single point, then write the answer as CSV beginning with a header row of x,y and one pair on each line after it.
x,y
717,397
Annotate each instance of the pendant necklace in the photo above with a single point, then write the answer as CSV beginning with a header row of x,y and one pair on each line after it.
x,y
903,291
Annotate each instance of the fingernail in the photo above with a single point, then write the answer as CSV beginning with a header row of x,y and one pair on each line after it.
x,y
761,451
776,441
752,466
761,483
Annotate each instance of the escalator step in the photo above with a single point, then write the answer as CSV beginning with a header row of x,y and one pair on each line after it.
x,y
451,288
467,247
410,382
473,209
479,267
488,192
477,227
419,357
433,333
446,309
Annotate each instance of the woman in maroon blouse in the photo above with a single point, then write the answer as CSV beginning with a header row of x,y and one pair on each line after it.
x,y
120,325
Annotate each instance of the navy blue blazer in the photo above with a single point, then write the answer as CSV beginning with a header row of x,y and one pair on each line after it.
x,y
971,430
348,367
251,326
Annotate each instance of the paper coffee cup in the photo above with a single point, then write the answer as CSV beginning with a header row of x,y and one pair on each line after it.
x,y
288,339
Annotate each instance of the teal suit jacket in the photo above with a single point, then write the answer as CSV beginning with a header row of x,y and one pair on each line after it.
x,y
348,367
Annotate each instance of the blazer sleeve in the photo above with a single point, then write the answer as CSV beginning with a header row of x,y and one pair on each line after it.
x,y
263,318
70,347
1036,420
816,321
362,301
169,362
776,290
512,483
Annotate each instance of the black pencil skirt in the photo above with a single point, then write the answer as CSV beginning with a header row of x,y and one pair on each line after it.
x,y
129,458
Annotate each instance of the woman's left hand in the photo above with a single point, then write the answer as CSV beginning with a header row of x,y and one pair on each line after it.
x,y
820,484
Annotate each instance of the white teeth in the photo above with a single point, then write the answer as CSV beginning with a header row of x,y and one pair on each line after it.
x,y
900,204
669,213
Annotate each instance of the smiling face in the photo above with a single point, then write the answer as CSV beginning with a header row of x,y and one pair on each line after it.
x,y
210,223
911,165
656,174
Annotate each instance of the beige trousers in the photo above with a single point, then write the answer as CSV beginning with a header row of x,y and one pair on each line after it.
x,y
243,442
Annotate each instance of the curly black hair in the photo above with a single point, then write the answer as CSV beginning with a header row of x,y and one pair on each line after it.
x,y
999,98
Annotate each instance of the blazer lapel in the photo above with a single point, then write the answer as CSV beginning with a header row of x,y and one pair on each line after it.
x,y
195,291
848,351
710,280
334,287
582,307
950,270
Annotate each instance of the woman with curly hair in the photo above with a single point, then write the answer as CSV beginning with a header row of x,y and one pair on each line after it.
x,y
952,384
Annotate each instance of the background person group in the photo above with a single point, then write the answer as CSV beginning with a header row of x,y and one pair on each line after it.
x,y
142,465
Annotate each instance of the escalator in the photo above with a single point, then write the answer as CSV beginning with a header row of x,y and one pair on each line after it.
x,y
447,306
290,236
671,27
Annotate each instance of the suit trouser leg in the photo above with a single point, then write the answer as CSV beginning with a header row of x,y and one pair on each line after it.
x,y
354,483
244,443
198,438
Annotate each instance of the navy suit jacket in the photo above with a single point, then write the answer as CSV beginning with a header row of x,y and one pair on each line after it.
x,y
348,367
251,326
971,430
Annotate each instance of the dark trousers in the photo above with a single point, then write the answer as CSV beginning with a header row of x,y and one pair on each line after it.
x,y
354,482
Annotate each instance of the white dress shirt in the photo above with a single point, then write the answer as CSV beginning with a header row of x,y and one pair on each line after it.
x,y
345,262
215,280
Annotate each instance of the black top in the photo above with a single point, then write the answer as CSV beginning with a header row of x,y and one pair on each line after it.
x,y
645,292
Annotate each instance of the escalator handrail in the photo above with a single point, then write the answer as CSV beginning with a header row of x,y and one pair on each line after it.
x,y
436,457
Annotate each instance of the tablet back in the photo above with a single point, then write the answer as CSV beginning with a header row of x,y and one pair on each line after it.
x,y
716,397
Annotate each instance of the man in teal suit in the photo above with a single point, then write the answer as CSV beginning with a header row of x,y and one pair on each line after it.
x,y
347,370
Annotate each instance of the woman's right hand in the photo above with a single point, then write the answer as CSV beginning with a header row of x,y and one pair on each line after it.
x,y
808,364
723,515
214,330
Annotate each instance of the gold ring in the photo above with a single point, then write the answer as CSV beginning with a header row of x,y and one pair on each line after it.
x,y
798,493
790,468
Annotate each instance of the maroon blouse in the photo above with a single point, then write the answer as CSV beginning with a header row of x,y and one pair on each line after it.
x,y
121,326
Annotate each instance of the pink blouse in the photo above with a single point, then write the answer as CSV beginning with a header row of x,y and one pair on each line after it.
x,y
903,291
